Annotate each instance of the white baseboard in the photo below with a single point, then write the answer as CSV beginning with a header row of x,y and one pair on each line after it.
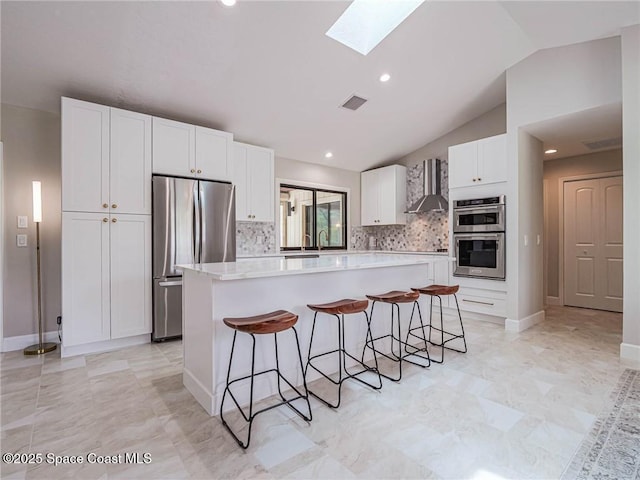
x,y
11,344
203,396
553,301
104,346
521,325
630,352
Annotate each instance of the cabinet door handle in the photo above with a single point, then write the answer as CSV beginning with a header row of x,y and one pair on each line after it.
x,y
199,171
105,205
193,170
114,220
475,179
115,205
105,219
478,302
479,179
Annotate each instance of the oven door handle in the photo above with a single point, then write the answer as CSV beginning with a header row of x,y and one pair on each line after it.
x,y
478,209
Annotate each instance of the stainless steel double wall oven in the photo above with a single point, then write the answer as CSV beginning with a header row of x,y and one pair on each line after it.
x,y
479,237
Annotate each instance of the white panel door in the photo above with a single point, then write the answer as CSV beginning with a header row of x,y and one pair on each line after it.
x,y
260,166
610,253
85,156
463,164
369,198
241,181
213,154
130,248
593,243
85,278
492,160
174,148
130,166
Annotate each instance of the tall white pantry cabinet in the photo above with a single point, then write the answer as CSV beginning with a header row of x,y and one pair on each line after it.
x,y
106,227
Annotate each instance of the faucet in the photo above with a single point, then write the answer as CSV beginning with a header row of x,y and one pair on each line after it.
x,y
306,235
326,237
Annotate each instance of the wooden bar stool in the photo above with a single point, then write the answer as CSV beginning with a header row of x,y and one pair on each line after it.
x,y
339,309
395,298
273,322
439,291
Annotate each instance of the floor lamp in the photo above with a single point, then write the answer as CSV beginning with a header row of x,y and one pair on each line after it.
x,y
41,347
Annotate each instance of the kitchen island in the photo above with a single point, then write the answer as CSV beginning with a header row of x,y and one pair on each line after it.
x,y
248,287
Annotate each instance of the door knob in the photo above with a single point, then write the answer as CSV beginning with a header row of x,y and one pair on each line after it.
x,y
114,205
105,205
114,220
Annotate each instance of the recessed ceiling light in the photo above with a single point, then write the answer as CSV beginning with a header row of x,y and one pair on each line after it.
x,y
550,151
228,3
385,77
365,23
328,155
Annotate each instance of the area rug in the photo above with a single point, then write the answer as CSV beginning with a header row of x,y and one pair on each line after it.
x,y
612,448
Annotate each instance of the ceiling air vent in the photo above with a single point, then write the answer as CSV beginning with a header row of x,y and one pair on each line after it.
x,y
600,144
354,103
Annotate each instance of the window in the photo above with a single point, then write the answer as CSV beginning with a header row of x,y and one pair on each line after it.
x,y
312,218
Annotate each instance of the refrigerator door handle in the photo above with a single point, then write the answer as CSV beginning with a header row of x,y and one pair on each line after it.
x,y
201,223
196,222
175,283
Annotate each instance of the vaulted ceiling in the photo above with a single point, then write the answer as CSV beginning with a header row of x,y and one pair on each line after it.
x,y
267,72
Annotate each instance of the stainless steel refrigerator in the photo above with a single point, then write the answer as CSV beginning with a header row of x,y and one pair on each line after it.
x,y
193,222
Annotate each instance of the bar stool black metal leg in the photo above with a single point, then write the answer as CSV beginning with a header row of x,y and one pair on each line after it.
x,y
464,338
251,416
343,372
304,382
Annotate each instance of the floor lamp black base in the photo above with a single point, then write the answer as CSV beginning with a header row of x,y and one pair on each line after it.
x,y
39,349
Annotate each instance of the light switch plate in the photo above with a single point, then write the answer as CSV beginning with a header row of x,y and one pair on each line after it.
x,y
21,240
22,221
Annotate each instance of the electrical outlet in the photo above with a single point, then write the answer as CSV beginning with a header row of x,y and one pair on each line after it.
x,y
22,221
21,240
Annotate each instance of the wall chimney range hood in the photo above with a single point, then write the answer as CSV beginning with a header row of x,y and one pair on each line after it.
x,y
432,199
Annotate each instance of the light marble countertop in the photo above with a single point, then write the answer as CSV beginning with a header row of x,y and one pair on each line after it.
x,y
277,266
339,252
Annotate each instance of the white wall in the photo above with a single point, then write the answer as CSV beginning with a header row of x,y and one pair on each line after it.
x,y
631,163
548,84
488,124
31,152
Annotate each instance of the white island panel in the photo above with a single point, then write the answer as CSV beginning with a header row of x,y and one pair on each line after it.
x,y
212,292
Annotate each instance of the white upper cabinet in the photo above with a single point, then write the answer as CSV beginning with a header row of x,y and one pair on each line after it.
x,y
106,159
213,154
185,150
384,196
253,176
478,163
85,156
130,165
174,148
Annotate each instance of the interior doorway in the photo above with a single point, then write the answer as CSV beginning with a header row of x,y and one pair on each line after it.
x,y
592,242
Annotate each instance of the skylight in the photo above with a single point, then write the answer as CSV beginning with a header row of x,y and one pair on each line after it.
x,y
365,23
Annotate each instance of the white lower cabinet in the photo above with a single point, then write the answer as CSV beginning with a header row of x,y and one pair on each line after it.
x,y
106,277
488,302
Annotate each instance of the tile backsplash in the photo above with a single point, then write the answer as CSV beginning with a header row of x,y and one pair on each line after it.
x,y
423,231
255,238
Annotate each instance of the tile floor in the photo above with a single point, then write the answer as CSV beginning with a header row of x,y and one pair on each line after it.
x,y
515,406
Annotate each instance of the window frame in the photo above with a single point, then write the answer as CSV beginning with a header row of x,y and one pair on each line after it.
x,y
315,188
